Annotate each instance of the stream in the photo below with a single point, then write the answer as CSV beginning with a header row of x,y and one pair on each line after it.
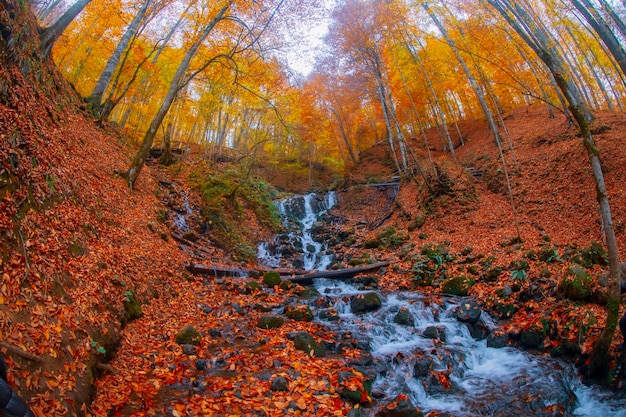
x,y
430,355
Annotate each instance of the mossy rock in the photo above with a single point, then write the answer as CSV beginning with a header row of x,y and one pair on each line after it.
x,y
271,279
504,310
355,396
532,338
270,321
373,243
417,223
576,284
458,285
309,292
251,287
519,265
364,303
404,318
132,307
188,336
299,313
493,274
305,342
594,255
285,285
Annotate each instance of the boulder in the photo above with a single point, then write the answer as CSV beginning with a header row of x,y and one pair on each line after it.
x,y
403,407
364,303
280,384
458,285
270,321
468,312
271,279
404,318
188,336
435,332
299,313
305,342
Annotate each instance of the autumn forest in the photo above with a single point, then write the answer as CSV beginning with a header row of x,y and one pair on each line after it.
x,y
378,208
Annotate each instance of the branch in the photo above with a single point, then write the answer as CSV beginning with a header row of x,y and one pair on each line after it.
x,y
20,352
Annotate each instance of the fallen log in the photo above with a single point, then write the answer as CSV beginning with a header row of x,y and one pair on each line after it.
x,y
307,279
215,271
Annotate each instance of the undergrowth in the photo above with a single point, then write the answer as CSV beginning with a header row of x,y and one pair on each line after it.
x,y
228,198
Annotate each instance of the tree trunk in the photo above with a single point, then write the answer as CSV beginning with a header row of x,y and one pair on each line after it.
x,y
177,83
538,40
48,36
599,25
95,98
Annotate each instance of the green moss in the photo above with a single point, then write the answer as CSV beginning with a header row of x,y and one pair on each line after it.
x,y
271,279
458,285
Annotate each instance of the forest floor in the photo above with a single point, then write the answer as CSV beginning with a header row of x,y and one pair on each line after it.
x,y
78,246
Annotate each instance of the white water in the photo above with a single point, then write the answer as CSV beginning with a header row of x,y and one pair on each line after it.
x,y
485,381
313,253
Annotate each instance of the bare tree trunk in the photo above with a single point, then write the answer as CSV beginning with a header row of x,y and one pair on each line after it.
x,y
48,36
95,98
539,42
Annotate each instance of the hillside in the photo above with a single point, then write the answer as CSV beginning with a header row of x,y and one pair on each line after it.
x,y
78,248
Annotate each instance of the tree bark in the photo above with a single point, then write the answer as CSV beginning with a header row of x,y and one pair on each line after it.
x,y
48,36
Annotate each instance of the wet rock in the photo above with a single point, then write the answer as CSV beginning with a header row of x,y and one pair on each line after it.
x,y
435,332
566,348
188,336
532,338
201,364
299,313
422,367
280,384
497,340
309,292
251,287
404,318
364,303
305,342
478,331
360,395
401,408
191,236
329,314
468,312
270,321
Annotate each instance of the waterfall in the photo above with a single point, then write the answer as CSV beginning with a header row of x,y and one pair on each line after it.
x,y
300,214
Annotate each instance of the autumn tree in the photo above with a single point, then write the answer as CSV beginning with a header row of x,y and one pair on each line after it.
x,y
243,38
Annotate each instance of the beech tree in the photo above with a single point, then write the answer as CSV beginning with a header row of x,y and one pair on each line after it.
x,y
49,35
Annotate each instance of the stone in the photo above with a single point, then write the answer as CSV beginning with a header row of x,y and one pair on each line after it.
x,y
305,342
299,313
189,349
188,336
280,384
329,314
497,340
468,312
422,367
458,285
532,338
435,332
271,279
132,306
404,318
270,321
401,408
364,303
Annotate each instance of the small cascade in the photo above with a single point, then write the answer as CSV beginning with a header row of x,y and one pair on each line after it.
x,y
298,247
439,366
